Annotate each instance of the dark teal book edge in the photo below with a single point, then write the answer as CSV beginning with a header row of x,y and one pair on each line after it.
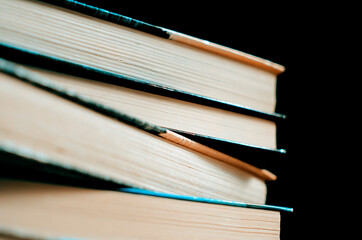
x,y
205,200
23,163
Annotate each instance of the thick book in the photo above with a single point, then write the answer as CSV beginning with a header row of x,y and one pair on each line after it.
x,y
54,131
111,41
92,36
48,211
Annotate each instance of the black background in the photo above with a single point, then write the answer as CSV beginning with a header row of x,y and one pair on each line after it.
x,y
295,36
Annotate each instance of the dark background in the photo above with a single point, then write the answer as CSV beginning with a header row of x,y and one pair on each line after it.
x,y
295,36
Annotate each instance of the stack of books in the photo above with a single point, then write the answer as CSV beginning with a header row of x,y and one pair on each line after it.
x,y
114,128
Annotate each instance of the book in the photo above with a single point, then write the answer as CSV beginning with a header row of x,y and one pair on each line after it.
x,y
144,55
60,133
47,211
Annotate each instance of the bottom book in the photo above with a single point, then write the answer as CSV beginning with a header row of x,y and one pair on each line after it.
x,y
31,210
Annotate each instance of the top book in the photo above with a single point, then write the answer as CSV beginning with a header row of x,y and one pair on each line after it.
x,y
98,38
